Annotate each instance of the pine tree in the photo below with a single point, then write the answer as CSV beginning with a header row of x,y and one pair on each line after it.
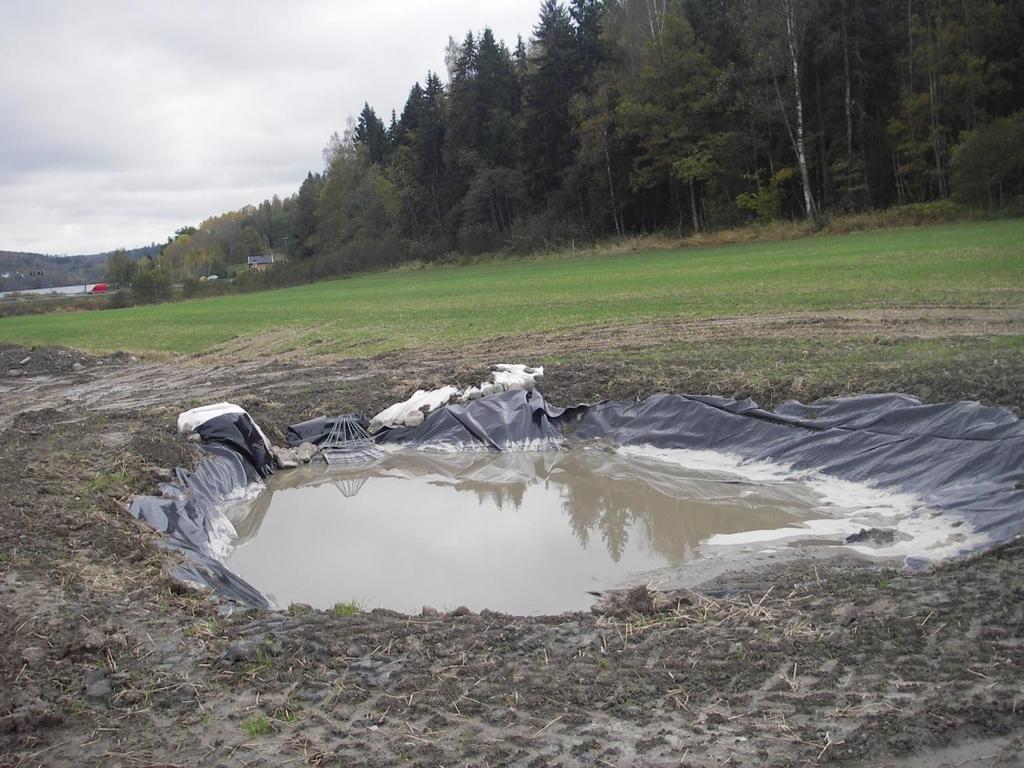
x,y
551,83
370,132
671,113
303,242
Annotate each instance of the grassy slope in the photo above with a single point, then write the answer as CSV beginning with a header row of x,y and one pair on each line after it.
x,y
954,264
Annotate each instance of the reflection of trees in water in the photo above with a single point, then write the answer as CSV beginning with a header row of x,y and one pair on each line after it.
x,y
609,504
600,504
590,505
614,507
502,479
616,498
613,496
503,496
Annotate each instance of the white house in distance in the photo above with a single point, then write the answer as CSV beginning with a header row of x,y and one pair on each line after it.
x,y
261,263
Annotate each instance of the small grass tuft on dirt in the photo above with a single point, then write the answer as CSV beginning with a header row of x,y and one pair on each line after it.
x,y
110,484
350,608
256,726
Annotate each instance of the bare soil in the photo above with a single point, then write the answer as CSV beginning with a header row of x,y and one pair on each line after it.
x,y
106,660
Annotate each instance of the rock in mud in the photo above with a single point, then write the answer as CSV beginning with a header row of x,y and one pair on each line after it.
x,y
89,642
845,615
32,655
98,686
305,452
624,602
238,652
286,457
99,691
94,676
876,536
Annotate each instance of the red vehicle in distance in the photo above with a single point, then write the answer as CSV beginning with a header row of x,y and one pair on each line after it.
x,y
99,288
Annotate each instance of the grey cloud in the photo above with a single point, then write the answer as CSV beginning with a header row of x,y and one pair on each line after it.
x,y
121,121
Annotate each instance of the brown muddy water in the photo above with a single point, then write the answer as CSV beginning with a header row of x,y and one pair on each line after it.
x,y
523,533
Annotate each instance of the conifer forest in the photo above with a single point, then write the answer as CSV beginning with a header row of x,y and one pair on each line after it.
x,y
635,116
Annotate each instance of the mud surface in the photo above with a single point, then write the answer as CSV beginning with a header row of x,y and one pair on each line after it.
x,y
105,660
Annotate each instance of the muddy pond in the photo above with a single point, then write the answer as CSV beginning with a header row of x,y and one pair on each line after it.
x,y
523,533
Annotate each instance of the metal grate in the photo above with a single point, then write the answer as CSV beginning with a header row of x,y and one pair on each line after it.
x,y
347,441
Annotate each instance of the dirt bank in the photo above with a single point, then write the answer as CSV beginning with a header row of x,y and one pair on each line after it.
x,y
104,660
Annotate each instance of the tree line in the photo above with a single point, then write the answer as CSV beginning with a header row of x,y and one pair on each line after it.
x,y
618,117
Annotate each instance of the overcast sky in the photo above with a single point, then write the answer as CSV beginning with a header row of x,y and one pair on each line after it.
x,y
122,121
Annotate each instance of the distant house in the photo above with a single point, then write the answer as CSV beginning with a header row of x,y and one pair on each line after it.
x,y
261,263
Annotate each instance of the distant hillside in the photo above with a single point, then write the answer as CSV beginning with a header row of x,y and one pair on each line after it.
x,y
20,271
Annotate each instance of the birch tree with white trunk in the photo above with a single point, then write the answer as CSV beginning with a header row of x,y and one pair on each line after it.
x,y
774,32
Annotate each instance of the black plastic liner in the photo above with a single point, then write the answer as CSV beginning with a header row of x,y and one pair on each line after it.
x,y
237,432
505,421
317,430
185,514
960,457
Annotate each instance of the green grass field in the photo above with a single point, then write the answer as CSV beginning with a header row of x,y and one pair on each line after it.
x,y
961,264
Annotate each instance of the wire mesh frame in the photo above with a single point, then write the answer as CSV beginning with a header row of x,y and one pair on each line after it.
x,y
347,441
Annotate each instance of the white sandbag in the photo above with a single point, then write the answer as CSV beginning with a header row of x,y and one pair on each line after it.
x,y
392,415
424,401
514,376
412,412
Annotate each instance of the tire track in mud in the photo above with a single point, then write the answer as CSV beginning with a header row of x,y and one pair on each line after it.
x,y
113,383
895,323
169,386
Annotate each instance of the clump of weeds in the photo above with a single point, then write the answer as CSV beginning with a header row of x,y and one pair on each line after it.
x,y
350,608
256,726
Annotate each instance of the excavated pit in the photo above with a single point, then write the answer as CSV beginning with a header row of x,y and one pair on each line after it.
x,y
517,505
517,532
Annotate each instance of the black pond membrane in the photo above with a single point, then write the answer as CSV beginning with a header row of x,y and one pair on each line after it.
x,y
518,532
466,508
